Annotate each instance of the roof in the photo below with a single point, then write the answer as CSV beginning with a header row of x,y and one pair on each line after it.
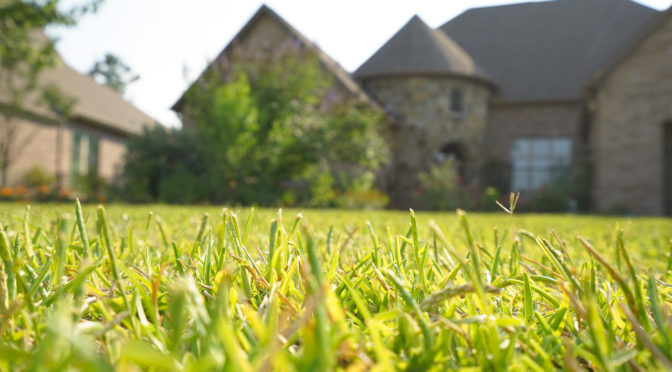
x,y
418,49
623,54
95,103
341,75
547,50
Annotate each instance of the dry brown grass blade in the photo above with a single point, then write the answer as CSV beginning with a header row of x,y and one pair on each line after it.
x,y
645,339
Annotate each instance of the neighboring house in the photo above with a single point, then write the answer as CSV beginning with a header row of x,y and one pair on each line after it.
x,y
91,140
522,95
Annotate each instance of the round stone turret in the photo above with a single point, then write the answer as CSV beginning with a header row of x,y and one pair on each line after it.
x,y
438,98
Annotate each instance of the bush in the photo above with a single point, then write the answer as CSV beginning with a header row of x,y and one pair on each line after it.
x,y
164,165
441,188
36,177
489,200
567,191
270,132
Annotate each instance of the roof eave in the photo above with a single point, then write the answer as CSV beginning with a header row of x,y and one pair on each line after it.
x,y
475,78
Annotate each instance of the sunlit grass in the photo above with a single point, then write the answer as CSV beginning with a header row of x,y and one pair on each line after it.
x,y
203,288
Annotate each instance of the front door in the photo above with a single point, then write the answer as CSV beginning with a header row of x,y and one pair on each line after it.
x,y
667,129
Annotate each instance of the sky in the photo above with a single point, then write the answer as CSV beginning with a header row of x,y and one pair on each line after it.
x,y
169,42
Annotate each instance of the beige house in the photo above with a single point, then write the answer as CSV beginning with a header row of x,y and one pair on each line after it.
x,y
520,96
91,140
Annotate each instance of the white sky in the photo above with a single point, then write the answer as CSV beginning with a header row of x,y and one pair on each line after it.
x,y
169,42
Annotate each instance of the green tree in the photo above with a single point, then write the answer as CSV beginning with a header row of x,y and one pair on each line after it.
x,y
114,73
278,128
265,131
165,165
24,53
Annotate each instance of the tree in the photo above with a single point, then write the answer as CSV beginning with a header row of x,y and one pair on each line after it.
x,y
267,132
276,129
24,53
114,73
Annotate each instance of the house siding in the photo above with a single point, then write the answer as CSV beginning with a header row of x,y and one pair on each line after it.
x,y
632,104
36,144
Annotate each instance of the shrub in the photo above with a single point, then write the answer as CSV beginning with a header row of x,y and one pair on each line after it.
x,y
36,177
269,132
489,199
441,188
566,191
159,164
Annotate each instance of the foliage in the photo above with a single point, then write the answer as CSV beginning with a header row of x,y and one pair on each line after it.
x,y
24,53
442,188
271,132
37,176
90,186
124,289
164,165
114,73
566,191
57,101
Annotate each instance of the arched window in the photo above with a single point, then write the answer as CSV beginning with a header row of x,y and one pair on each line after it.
x,y
457,101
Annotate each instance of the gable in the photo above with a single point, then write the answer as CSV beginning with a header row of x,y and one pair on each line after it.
x,y
652,45
267,32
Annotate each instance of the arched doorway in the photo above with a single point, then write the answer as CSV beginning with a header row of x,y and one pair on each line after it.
x,y
452,152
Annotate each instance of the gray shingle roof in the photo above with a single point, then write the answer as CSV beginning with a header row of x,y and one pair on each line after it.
x,y
418,49
94,103
547,50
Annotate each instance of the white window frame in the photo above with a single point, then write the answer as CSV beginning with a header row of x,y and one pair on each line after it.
x,y
535,161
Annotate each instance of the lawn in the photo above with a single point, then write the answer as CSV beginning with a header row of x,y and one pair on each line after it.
x,y
165,288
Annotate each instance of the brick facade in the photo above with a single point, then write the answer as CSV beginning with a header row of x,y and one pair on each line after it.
x,y
511,121
631,106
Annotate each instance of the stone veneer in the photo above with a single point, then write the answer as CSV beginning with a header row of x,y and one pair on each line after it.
x,y
631,106
424,124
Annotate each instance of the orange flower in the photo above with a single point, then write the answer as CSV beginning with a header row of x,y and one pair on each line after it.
x,y
102,198
44,189
20,190
6,191
64,193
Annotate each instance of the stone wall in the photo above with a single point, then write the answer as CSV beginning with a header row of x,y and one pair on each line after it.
x,y
632,104
424,123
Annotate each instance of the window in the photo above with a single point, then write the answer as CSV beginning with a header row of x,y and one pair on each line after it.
x,y
536,161
84,155
457,101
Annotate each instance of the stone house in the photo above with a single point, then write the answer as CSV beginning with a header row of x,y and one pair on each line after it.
x,y
90,142
521,96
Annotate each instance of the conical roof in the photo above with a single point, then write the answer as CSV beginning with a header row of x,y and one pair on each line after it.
x,y
418,49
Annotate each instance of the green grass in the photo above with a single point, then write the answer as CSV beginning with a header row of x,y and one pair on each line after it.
x,y
173,288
